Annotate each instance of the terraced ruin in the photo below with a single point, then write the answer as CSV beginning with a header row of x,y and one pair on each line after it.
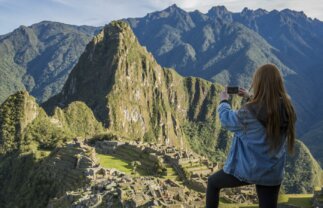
x,y
81,177
109,187
188,170
318,198
182,166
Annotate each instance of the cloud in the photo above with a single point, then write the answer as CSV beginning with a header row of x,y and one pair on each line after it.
x,y
99,12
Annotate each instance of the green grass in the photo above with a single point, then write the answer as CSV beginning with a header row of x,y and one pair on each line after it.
x,y
171,174
302,200
110,161
40,154
225,205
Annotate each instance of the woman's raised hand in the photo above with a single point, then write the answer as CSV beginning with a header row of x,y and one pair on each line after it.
x,y
243,92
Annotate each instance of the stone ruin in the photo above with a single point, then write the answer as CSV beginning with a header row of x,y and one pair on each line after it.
x,y
116,189
112,188
318,198
192,168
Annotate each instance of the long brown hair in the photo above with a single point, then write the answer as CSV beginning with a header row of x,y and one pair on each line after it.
x,y
268,88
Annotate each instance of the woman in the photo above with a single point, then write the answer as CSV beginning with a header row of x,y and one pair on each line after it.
x,y
262,127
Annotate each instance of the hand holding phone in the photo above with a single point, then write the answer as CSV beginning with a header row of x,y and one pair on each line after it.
x,y
232,90
244,93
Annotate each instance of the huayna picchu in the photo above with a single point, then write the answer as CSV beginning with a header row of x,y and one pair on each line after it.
x,y
120,116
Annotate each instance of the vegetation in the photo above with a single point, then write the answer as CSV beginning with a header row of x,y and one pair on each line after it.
x,y
79,119
199,138
24,126
11,115
302,173
312,139
43,133
134,98
300,200
39,58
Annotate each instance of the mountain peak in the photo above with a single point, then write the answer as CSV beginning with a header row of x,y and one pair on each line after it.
x,y
220,12
117,27
294,13
246,10
219,8
95,73
173,7
258,12
114,33
261,11
121,25
130,92
22,29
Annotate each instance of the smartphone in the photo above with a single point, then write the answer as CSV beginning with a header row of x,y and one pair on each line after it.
x,y
233,90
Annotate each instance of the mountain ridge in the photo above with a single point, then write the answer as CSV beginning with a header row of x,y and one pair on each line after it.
x,y
38,58
304,89
132,73
288,37
144,102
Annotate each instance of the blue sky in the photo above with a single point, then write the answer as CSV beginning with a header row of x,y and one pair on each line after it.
x,y
14,13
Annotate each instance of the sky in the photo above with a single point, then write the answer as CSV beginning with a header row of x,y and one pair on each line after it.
x,y
14,13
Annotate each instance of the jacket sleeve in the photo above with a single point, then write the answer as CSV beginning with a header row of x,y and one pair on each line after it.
x,y
229,118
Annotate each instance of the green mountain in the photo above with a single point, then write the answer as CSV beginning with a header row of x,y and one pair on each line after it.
x,y
219,46
119,85
211,46
313,136
131,94
302,171
227,47
24,126
39,58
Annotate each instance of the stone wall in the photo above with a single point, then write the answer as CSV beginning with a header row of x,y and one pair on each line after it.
x,y
318,198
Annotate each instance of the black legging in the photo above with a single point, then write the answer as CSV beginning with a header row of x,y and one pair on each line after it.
x,y
267,195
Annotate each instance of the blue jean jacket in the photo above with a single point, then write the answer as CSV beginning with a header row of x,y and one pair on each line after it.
x,y
250,158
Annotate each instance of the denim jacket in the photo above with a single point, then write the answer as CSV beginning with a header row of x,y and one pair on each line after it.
x,y
250,158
